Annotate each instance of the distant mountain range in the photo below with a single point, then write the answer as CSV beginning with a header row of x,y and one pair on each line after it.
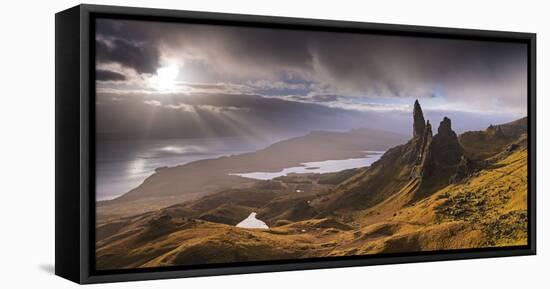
x,y
437,191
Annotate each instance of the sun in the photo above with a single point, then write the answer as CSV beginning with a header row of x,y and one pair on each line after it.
x,y
165,78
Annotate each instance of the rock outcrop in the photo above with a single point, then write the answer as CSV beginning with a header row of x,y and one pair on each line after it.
x,y
422,148
434,153
422,134
446,148
464,169
495,131
426,155
424,164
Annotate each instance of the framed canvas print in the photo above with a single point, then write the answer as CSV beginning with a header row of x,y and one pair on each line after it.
x,y
192,144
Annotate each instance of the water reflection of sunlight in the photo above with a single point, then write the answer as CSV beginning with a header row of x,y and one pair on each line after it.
x,y
171,149
136,166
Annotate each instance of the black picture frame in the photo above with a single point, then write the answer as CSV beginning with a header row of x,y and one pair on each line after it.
x,y
75,142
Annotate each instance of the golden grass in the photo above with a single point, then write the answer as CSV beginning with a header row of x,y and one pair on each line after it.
x,y
488,209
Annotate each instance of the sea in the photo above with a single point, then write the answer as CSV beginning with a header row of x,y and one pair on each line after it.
x,y
122,165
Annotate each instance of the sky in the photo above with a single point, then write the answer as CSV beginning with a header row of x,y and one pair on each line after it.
x,y
161,80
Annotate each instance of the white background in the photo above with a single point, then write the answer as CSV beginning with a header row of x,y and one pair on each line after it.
x,y
27,144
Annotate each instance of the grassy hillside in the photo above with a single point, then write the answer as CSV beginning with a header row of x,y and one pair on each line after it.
x,y
483,144
485,211
380,209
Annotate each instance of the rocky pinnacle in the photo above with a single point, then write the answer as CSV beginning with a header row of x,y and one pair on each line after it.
x,y
447,149
445,126
419,123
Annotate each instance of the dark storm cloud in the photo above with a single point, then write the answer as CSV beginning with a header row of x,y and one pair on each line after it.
x,y
227,46
268,47
327,68
463,72
142,57
108,75
130,45
422,67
